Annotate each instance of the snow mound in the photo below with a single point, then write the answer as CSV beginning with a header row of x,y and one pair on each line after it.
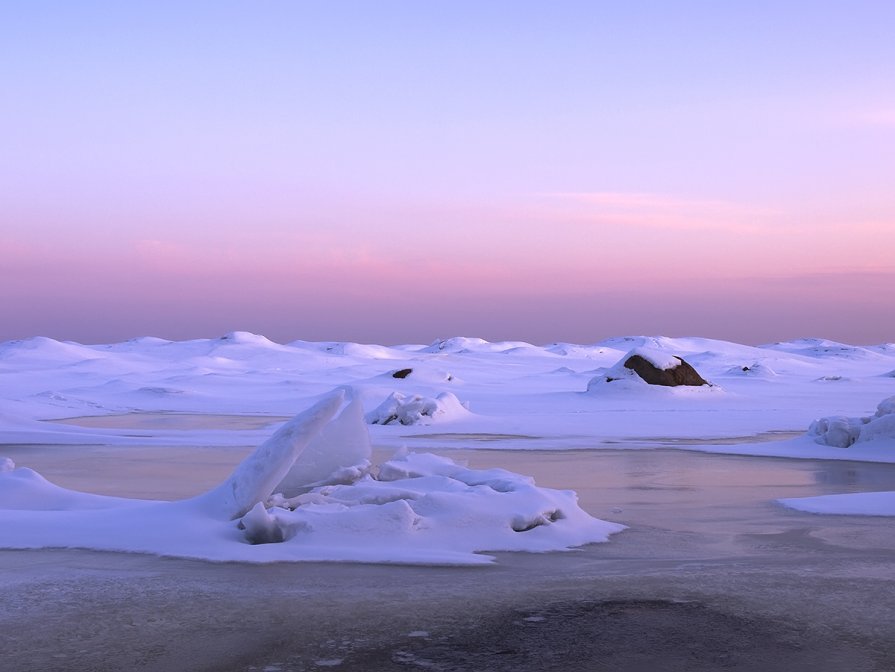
x,y
418,374
423,501
417,410
457,344
416,508
462,345
583,351
622,375
356,350
841,432
756,370
626,343
246,338
823,348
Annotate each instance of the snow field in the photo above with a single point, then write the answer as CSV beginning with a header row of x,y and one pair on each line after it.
x,y
310,491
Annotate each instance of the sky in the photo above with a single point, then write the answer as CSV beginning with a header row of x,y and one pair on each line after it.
x,y
396,172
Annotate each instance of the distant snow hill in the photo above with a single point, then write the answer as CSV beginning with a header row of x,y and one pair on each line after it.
x,y
510,393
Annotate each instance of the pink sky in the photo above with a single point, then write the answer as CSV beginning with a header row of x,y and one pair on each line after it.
x,y
403,174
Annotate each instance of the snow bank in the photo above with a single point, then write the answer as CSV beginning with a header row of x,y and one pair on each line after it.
x,y
417,410
842,432
309,493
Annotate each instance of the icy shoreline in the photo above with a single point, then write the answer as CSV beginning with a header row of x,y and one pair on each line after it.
x,y
450,394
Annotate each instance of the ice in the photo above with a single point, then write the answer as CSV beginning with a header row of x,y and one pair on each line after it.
x,y
414,508
842,432
852,504
257,476
263,528
836,430
339,454
312,492
422,502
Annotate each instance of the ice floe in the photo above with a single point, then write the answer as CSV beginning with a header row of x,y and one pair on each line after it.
x,y
310,493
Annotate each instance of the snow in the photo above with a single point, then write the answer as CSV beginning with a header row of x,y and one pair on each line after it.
x,y
257,476
848,433
415,508
842,431
524,396
513,388
658,358
417,410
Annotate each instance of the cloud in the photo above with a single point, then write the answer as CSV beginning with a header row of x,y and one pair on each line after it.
x,y
660,211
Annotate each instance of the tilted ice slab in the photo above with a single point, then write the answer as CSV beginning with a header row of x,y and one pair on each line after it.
x,y
310,493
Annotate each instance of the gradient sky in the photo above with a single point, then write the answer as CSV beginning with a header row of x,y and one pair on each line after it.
x,y
395,172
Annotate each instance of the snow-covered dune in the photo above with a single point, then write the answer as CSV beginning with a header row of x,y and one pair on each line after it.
x,y
510,389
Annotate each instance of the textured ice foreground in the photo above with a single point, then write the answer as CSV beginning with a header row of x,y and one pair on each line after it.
x,y
310,493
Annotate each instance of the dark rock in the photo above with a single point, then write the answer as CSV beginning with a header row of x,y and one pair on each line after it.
x,y
402,373
682,374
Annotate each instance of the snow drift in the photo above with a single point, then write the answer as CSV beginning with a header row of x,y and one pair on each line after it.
x,y
416,409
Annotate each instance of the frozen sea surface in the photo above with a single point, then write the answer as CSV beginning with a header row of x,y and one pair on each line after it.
x,y
711,574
